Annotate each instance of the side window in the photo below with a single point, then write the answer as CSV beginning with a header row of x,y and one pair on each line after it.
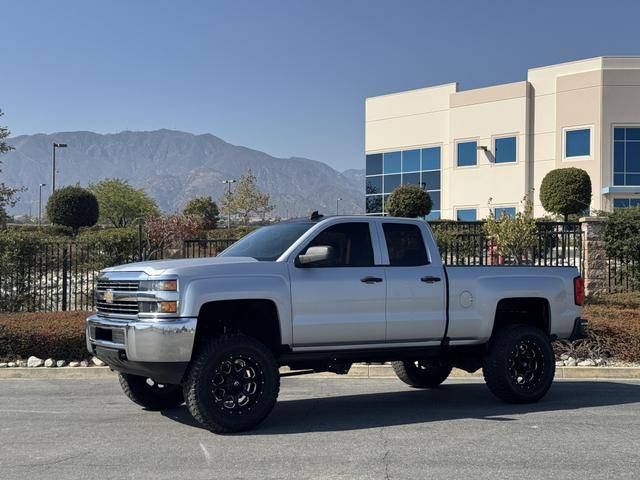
x,y
351,244
405,245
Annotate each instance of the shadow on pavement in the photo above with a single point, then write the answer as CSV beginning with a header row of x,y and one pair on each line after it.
x,y
453,401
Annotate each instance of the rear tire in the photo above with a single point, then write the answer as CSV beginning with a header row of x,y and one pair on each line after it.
x,y
520,365
232,384
150,394
422,373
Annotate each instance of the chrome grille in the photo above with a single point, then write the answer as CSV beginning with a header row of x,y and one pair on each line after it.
x,y
123,307
117,306
118,285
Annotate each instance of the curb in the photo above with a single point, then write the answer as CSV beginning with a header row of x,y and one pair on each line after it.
x,y
357,371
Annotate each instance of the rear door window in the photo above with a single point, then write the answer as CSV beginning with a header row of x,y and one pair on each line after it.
x,y
405,245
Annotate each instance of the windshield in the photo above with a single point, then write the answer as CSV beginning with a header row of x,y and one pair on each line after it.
x,y
268,243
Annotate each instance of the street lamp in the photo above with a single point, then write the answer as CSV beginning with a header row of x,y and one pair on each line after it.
x,y
53,170
40,203
229,182
337,206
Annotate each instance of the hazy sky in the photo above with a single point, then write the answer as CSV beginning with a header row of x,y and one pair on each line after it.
x,y
286,77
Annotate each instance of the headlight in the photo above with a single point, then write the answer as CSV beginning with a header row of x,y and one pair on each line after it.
x,y
158,307
159,285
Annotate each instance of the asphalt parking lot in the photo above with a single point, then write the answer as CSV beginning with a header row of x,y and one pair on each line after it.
x,y
325,428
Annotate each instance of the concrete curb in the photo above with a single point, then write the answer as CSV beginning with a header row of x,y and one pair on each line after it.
x,y
357,371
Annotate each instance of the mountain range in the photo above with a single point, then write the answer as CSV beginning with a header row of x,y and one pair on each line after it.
x,y
174,166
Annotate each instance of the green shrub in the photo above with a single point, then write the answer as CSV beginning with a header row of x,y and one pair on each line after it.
x,y
566,191
73,207
112,246
513,237
205,208
409,201
58,335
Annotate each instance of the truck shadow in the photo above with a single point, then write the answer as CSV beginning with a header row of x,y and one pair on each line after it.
x,y
452,401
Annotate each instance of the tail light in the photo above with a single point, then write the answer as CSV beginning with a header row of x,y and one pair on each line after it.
x,y
578,290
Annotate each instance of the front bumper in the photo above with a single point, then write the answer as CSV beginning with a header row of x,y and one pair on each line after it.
x,y
157,349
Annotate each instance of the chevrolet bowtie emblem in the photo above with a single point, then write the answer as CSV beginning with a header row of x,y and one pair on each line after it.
x,y
108,296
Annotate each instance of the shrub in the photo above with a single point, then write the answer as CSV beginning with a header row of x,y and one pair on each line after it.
x,y
206,209
58,335
73,207
112,246
409,201
513,237
566,191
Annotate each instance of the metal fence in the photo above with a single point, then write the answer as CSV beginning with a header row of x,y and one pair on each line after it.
x,y
623,274
204,248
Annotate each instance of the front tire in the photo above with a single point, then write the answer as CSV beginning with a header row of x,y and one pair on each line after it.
x,y
150,394
427,373
520,365
232,384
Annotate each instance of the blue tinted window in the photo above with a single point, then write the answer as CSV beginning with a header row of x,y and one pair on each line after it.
x,y
632,179
411,160
620,202
467,215
391,182
374,204
411,178
505,150
467,153
435,200
374,164
632,157
374,185
618,156
618,179
433,215
508,211
577,143
618,133
392,162
633,134
431,180
431,158
626,156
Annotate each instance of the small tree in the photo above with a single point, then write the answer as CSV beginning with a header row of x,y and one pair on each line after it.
x,y
566,191
513,237
408,201
169,232
247,200
204,208
73,207
121,204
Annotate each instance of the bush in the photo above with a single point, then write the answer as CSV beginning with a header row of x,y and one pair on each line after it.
x,y
409,201
58,335
73,207
513,237
112,246
622,233
206,209
566,191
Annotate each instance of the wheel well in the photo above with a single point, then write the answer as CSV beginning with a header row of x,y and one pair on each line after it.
x,y
255,318
528,311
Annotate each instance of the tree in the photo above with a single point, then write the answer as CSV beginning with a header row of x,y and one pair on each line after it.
x,y
121,204
73,207
204,208
7,194
408,201
247,200
164,232
513,237
566,191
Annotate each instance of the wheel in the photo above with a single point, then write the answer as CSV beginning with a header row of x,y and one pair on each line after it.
x,y
520,365
232,384
149,394
427,373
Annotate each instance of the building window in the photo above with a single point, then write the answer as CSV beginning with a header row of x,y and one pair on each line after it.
x,y
505,150
411,161
374,185
374,204
374,164
499,212
467,215
467,153
626,202
431,158
626,156
392,162
577,143
391,182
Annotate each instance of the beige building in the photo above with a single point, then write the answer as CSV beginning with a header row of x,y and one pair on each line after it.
x,y
498,142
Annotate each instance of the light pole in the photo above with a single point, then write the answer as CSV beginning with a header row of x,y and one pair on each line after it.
x,y
40,203
229,182
337,206
53,169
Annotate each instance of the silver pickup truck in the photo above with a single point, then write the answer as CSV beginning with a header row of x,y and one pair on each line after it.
x,y
318,294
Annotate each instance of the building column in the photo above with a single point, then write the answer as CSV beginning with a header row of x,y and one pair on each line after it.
x,y
595,267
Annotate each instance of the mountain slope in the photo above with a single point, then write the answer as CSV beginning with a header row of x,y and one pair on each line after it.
x,y
174,166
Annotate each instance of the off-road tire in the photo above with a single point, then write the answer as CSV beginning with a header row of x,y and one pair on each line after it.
x,y
208,384
149,394
428,373
520,364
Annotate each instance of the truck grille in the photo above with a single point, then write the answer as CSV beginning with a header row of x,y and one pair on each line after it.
x,y
119,285
122,307
115,307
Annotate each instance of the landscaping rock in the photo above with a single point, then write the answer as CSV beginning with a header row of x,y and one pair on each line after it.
x,y
34,362
564,356
49,362
587,363
4,365
11,364
74,364
600,362
97,362
61,363
559,363
570,362
84,363
21,363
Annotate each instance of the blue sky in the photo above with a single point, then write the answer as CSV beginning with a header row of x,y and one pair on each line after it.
x,y
286,77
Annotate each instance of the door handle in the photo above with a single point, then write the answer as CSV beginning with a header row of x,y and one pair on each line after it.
x,y
429,279
371,280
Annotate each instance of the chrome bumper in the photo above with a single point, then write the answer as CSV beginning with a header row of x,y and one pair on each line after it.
x,y
142,340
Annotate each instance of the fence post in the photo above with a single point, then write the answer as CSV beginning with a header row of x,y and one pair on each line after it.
x,y
595,270
65,273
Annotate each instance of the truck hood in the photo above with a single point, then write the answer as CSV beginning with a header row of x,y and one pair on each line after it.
x,y
158,267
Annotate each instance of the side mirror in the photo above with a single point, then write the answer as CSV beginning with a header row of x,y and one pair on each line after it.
x,y
317,254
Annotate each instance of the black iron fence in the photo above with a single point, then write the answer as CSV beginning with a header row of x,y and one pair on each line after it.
x,y
204,248
624,274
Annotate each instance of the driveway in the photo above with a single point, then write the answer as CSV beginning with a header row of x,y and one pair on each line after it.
x,y
325,428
